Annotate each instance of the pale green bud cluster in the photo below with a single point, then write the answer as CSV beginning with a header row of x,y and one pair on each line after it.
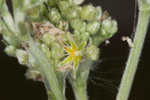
x,y
48,39
54,15
22,56
92,52
10,50
93,27
108,28
88,12
54,25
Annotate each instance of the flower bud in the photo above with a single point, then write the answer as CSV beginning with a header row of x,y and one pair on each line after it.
x,y
34,74
63,25
78,25
48,39
72,13
93,27
63,6
54,15
84,36
92,52
22,56
10,50
109,28
88,13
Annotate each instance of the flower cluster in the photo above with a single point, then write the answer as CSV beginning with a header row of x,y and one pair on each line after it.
x,y
67,33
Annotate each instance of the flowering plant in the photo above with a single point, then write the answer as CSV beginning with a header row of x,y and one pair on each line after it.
x,y
57,40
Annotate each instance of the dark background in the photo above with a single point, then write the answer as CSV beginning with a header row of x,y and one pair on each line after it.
x,y
15,86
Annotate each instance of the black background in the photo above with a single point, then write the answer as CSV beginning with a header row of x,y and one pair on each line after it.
x,y
15,86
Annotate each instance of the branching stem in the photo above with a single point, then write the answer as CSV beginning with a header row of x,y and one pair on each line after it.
x,y
134,56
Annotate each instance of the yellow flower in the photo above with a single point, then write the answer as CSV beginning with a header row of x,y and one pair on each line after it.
x,y
74,53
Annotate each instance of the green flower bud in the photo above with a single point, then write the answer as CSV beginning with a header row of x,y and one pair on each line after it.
x,y
54,15
66,36
88,13
93,27
92,52
46,50
48,39
63,5
84,36
108,28
78,25
33,74
22,56
10,50
72,13
63,25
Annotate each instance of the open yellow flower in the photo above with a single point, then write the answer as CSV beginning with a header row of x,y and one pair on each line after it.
x,y
74,53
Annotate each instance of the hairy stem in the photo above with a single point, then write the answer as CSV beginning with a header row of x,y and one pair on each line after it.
x,y
79,84
134,56
47,70
80,92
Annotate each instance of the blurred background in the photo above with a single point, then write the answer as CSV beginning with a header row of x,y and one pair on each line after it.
x,y
104,78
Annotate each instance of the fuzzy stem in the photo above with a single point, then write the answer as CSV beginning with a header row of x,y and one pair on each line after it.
x,y
47,70
80,92
131,67
79,84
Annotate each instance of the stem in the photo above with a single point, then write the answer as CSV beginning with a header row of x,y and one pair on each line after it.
x,y
47,70
80,91
131,67
79,84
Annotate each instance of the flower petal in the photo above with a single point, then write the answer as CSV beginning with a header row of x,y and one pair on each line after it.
x,y
73,45
67,60
67,49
